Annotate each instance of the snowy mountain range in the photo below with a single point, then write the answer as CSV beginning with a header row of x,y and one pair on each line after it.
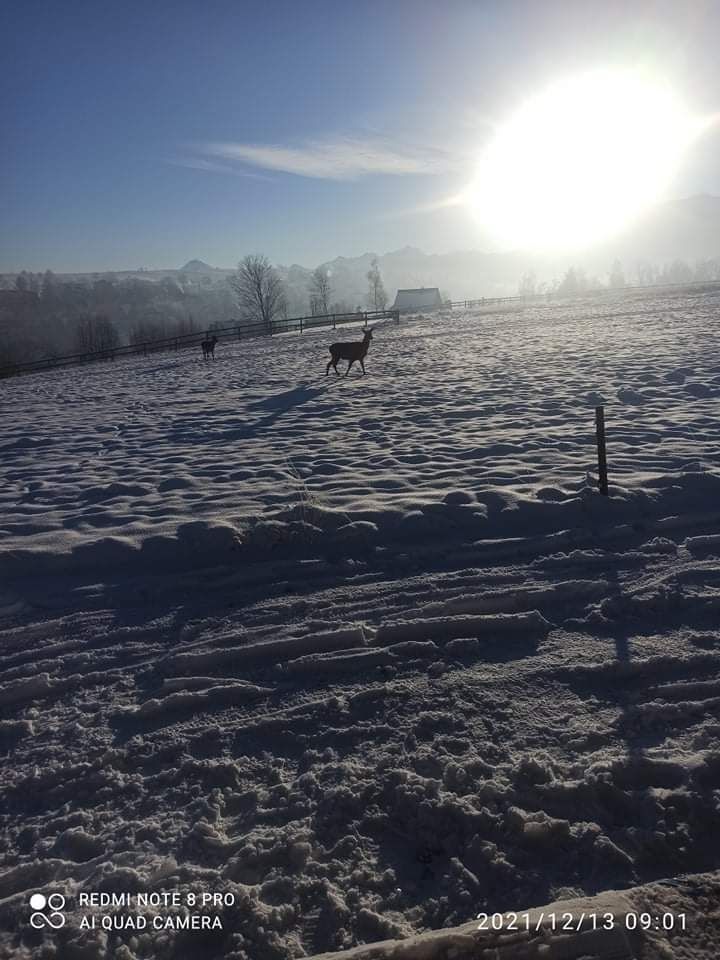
x,y
687,229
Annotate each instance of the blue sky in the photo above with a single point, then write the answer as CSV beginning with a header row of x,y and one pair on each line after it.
x,y
145,134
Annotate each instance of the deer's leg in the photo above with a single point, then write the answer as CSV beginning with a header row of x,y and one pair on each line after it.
x,y
350,363
362,365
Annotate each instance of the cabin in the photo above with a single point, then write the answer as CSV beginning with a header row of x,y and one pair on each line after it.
x,y
413,301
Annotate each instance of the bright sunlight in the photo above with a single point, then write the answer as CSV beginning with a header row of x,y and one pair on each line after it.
x,y
577,162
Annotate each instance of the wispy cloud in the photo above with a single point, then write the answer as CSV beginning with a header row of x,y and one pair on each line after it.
x,y
199,163
433,206
337,159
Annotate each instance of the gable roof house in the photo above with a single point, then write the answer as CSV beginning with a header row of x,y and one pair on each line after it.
x,y
411,301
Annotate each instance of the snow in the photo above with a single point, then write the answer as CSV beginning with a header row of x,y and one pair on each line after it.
x,y
575,929
371,654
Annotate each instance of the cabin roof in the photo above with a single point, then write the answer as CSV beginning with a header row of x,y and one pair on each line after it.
x,y
418,298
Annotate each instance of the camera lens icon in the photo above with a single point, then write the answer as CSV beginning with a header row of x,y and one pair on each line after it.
x,y
40,904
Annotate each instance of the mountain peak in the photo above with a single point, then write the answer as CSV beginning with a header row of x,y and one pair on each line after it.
x,y
196,266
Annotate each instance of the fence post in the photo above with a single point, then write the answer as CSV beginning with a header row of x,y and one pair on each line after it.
x,y
301,320
602,453
334,320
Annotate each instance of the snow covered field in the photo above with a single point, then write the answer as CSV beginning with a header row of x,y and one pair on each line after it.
x,y
370,655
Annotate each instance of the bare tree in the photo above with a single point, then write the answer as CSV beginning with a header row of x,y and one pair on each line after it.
x,y
320,291
145,330
27,282
573,283
377,297
679,271
646,273
617,276
528,284
258,289
96,335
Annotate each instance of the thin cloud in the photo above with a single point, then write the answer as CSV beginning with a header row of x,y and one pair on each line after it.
x,y
342,159
445,203
198,163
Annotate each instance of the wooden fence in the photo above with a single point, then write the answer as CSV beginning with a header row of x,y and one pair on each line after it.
x,y
699,286
236,330
241,331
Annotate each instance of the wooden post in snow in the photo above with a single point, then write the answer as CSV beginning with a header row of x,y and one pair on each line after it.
x,y
602,454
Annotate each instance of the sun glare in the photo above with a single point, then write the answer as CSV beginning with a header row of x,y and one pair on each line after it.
x,y
580,160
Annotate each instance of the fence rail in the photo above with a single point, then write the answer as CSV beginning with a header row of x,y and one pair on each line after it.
x,y
242,331
698,285
236,329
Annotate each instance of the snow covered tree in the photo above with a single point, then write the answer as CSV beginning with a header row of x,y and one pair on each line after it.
x,y
616,279
320,291
528,284
646,273
679,271
573,283
377,297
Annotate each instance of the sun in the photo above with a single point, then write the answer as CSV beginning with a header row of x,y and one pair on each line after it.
x,y
580,160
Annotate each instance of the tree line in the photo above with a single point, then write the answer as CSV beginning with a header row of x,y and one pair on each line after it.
x,y
261,296
576,280
43,316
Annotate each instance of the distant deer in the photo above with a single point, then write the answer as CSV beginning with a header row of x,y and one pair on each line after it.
x,y
208,347
352,351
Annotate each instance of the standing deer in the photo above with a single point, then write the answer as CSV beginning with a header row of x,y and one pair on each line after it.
x,y
352,351
208,347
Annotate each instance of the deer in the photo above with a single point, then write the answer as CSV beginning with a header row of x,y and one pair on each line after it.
x,y
352,351
208,347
